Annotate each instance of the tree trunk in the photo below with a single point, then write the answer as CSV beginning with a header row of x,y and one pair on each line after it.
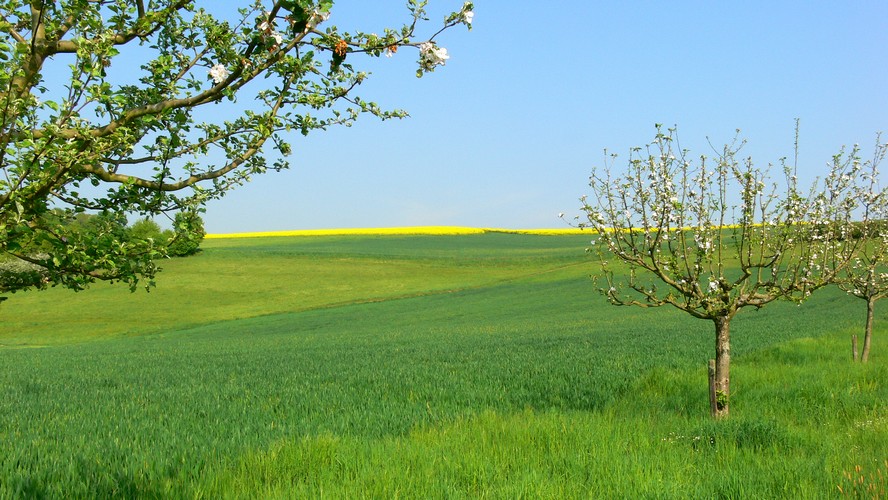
x,y
722,366
868,335
713,407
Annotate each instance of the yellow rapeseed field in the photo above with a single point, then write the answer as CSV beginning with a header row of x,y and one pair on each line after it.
x,y
432,230
429,230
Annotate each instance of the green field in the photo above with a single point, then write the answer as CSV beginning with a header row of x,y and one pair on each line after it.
x,y
424,367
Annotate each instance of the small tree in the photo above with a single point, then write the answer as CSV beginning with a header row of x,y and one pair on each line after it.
x,y
867,275
713,238
144,229
188,233
116,106
183,240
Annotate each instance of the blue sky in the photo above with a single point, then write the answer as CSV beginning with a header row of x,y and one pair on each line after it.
x,y
505,134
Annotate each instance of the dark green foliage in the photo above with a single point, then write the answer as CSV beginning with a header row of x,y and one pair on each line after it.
x,y
854,231
183,240
75,249
188,233
40,260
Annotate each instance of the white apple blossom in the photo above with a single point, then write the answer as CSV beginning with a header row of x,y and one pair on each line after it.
x,y
430,55
218,73
466,14
317,18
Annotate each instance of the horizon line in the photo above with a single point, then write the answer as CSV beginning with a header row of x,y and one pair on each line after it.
x,y
392,231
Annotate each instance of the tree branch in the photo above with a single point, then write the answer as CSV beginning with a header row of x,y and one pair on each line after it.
x,y
12,32
114,177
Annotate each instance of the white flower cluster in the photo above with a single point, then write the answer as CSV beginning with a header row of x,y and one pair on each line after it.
x,y
317,17
430,55
269,30
218,73
466,14
676,438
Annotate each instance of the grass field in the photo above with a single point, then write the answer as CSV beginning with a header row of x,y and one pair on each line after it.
x,y
470,365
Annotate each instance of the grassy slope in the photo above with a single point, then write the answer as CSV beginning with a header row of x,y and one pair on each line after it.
x,y
240,278
517,383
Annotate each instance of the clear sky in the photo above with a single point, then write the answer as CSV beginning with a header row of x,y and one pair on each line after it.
x,y
505,134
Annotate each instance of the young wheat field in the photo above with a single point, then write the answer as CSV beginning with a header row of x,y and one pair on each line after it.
x,y
468,365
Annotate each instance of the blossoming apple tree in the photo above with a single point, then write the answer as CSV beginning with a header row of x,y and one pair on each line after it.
x,y
715,236
866,277
154,107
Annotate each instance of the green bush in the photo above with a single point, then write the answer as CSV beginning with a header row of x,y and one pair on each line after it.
x,y
188,233
183,240
146,228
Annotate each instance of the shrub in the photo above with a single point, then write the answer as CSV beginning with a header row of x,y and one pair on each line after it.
x,y
146,228
188,233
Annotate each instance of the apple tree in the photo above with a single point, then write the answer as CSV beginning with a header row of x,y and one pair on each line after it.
x,y
712,236
150,107
866,277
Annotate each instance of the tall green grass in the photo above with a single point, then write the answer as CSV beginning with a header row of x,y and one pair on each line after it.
x,y
513,380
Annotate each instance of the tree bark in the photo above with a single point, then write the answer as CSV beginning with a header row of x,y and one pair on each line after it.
x,y
713,408
722,366
867,337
